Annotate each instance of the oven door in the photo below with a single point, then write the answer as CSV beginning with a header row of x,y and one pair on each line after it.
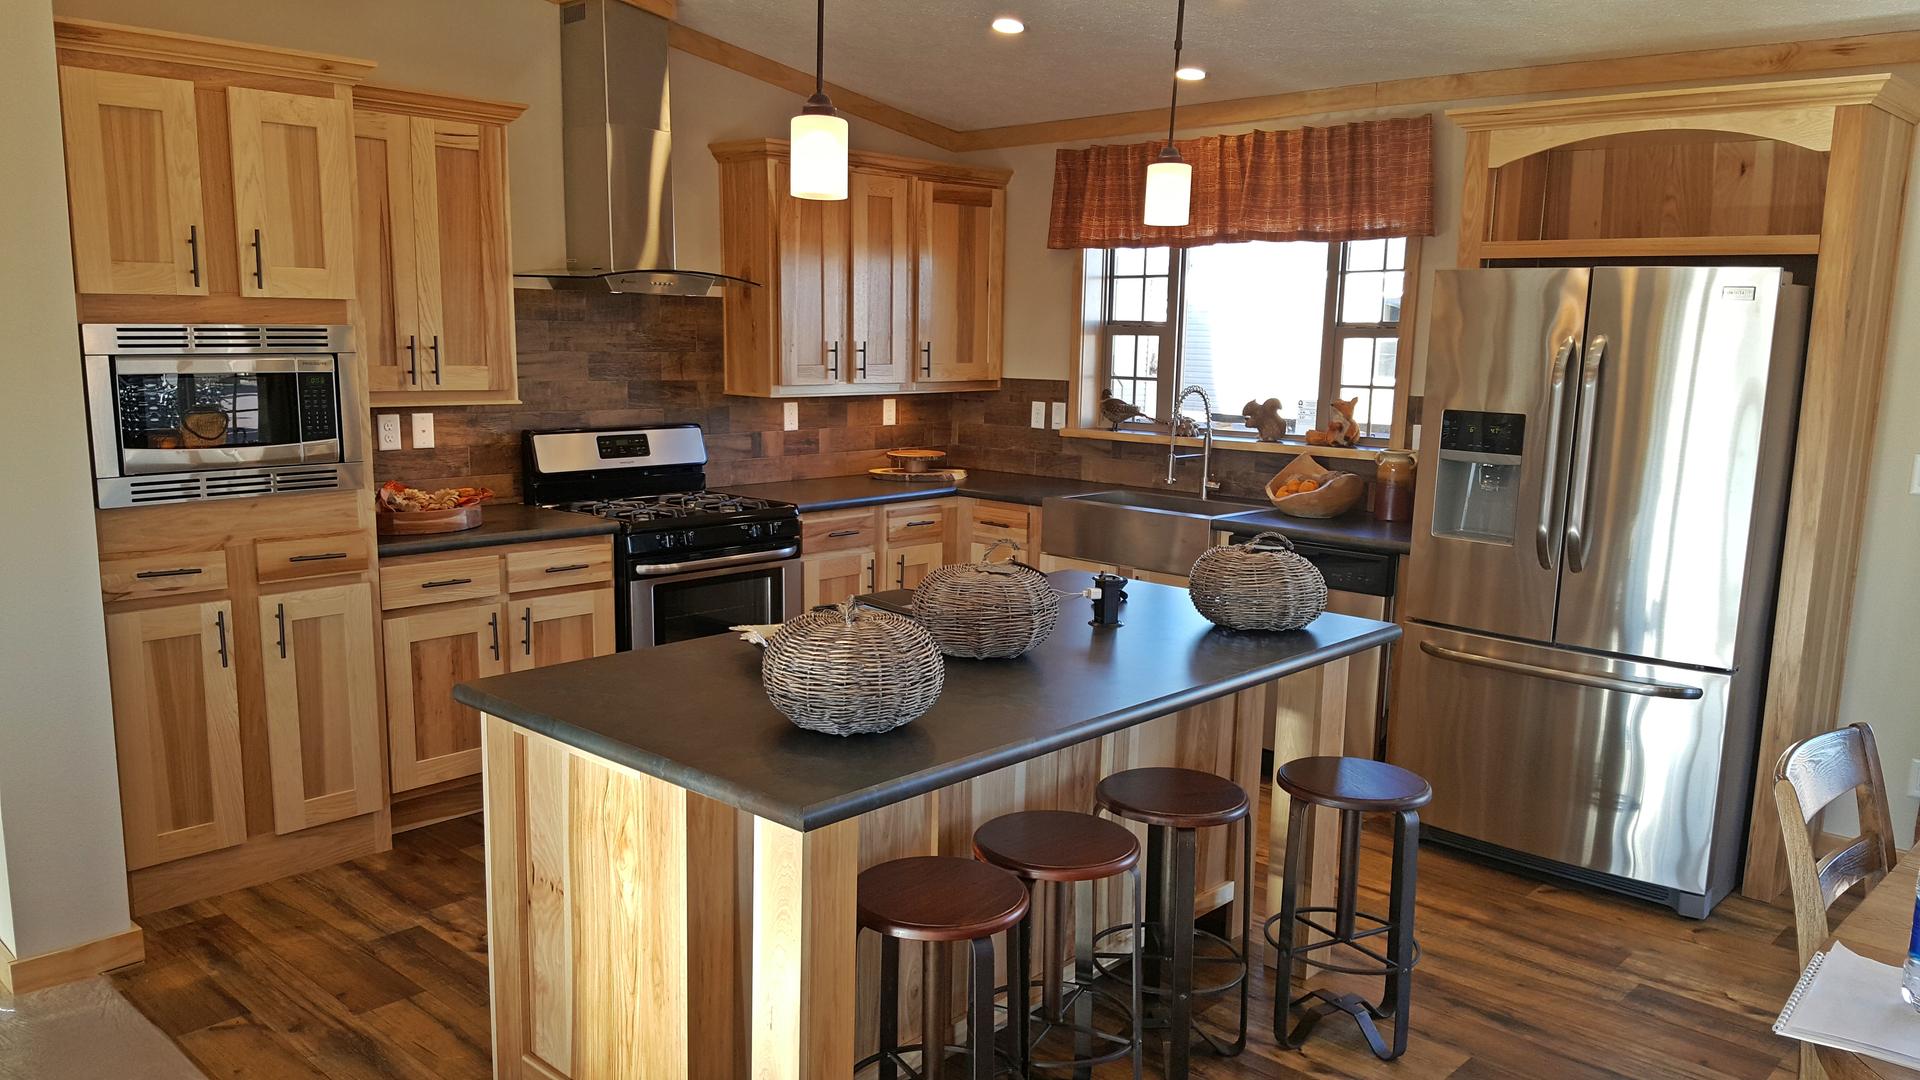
x,y
701,603
181,414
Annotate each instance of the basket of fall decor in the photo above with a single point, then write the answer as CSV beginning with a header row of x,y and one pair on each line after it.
x,y
852,670
987,609
1262,584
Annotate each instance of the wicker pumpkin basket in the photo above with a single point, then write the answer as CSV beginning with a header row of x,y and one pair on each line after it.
x,y
988,609
852,670
1259,585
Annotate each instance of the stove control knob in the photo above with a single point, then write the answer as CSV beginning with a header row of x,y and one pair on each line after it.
x,y
686,539
753,531
666,540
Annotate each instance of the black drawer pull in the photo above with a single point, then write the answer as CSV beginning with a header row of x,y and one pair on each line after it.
x,y
564,569
280,616
997,524
844,532
193,247
917,524
493,621
182,572
259,263
449,581
220,624
317,558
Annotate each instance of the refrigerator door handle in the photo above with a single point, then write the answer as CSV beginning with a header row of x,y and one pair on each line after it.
x,y
1579,540
1643,687
1551,484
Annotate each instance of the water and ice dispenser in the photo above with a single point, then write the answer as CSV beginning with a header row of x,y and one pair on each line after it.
x,y
1477,485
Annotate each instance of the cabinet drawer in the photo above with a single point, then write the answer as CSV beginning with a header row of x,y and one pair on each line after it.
x,y
838,530
284,560
131,577
550,568
439,581
910,524
990,523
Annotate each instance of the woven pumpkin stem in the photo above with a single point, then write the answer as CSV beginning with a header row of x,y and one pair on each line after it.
x,y
1269,541
846,610
987,555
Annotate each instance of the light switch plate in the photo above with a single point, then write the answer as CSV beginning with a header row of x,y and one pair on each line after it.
x,y
422,430
1040,414
889,415
390,431
1059,415
1913,779
790,416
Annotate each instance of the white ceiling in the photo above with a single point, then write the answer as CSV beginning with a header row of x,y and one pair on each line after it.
x,y
938,59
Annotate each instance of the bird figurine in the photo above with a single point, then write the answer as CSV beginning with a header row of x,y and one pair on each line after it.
x,y
1118,412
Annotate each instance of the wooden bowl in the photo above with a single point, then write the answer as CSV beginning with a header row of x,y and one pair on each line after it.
x,y
915,461
1338,493
418,522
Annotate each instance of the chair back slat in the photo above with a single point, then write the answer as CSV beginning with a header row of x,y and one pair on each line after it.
x,y
1809,776
1854,863
1826,767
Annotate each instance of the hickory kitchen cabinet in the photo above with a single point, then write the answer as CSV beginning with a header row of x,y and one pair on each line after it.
x,y
207,180
897,289
434,267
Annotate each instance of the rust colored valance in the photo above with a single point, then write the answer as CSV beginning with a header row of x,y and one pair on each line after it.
x,y
1353,182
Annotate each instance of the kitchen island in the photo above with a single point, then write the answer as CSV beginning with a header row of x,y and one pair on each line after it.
x,y
671,862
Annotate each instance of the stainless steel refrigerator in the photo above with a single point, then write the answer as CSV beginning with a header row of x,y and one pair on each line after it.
x,y
1604,455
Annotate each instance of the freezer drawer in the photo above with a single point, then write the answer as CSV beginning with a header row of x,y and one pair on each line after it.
x,y
1599,763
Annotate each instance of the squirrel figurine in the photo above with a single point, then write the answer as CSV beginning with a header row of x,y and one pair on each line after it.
x,y
1341,430
1264,417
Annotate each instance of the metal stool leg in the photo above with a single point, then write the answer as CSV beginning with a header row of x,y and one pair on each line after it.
x,y
889,1006
1139,945
1178,933
1285,965
1083,973
1019,989
1398,998
979,1010
935,1012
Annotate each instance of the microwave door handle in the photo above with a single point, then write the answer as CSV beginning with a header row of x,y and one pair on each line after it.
x,y
1579,538
1642,687
1551,482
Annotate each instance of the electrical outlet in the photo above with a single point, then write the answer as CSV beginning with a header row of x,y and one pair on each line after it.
x,y
422,430
1059,415
790,416
1040,414
1913,779
390,431
889,415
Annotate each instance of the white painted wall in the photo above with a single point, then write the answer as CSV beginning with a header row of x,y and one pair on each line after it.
x,y
62,866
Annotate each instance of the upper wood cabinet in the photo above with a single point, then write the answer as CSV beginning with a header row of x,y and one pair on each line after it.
x,y
898,289
434,262
292,193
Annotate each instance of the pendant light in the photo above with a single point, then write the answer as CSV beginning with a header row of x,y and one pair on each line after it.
x,y
819,135
1169,179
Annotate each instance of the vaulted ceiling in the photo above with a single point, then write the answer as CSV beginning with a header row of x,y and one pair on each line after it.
x,y
938,59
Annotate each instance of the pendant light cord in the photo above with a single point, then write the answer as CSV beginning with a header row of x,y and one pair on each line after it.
x,y
1179,32
820,47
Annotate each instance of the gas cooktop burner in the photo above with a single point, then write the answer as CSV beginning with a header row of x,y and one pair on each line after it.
x,y
673,507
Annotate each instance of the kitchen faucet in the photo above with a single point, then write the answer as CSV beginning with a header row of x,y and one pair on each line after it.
x,y
1206,446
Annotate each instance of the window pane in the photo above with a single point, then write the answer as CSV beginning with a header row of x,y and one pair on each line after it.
x,y
1156,299
1386,355
1148,357
1362,300
1367,255
1157,259
1397,253
1254,317
1356,361
1127,296
1391,286
1123,345
1129,260
1381,425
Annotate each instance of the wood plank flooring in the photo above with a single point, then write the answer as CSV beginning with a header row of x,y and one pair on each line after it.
x,y
377,969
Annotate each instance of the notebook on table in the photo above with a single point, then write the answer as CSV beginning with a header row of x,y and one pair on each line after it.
x,y
1849,1002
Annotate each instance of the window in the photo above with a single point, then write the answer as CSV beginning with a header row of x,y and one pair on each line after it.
x,y
1301,322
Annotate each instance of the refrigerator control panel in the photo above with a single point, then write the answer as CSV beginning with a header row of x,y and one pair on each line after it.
x,y
1483,432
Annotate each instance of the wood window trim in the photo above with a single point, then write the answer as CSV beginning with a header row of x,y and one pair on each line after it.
x,y
1087,366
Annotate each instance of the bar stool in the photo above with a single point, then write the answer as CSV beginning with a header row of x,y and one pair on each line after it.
x,y
1353,786
1173,803
1063,849
934,899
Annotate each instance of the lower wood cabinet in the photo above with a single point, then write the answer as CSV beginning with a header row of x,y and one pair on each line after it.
x,y
830,579
905,567
560,628
323,710
431,736
176,720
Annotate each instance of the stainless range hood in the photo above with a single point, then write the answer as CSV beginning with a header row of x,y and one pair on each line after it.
x,y
619,142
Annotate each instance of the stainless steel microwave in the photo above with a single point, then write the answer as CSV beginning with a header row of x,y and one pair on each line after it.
x,y
180,413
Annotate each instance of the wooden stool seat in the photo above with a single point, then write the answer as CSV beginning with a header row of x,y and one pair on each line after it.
x,y
1360,784
1174,798
939,898
1057,845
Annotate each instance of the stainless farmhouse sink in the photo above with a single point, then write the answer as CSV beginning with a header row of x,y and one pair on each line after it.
x,y
1144,530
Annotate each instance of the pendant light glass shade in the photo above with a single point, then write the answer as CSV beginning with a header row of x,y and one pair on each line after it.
x,y
819,150
1169,190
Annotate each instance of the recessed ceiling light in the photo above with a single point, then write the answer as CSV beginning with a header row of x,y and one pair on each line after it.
x,y
1007,24
1191,74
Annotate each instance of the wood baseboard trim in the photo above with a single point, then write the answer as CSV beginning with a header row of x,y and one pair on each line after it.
x,y
259,860
436,803
66,965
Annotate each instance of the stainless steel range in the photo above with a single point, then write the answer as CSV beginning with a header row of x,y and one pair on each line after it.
x,y
688,562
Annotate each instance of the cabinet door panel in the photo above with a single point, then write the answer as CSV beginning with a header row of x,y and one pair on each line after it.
x,y
292,193
561,628
814,258
386,251
323,720
904,567
176,721
432,737
882,332
961,241
133,183
468,213
830,579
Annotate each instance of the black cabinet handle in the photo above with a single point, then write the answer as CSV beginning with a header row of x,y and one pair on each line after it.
x,y
565,569
873,572
996,524
259,263
280,616
862,348
833,359
449,581
193,248
413,361
493,620
926,358
169,573
831,535
917,524
317,558
901,582
526,620
220,625
436,359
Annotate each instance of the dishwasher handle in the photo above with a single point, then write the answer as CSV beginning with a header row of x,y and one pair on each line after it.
x,y
1642,687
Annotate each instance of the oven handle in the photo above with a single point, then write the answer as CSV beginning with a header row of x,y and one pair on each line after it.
x,y
662,569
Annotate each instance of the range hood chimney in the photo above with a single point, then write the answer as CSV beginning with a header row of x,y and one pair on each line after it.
x,y
618,140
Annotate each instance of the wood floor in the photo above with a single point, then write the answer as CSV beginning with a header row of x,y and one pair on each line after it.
x,y
376,969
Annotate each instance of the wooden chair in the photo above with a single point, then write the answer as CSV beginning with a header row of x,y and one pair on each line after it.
x,y
1811,775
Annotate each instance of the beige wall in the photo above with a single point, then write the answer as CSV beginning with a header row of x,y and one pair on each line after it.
x,y
62,874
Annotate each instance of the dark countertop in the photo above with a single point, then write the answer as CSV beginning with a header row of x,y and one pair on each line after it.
x,y
500,523
695,713
1354,531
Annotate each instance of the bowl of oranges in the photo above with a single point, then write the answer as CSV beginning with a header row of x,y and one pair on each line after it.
x,y
1307,489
